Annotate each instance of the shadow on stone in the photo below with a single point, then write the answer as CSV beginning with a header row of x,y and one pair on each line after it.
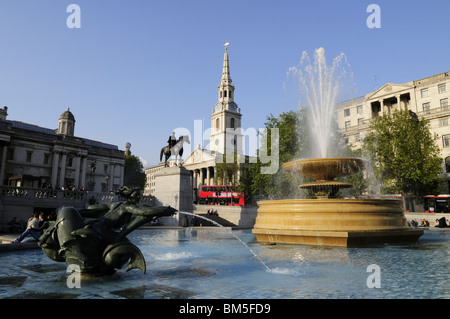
x,y
153,292
14,281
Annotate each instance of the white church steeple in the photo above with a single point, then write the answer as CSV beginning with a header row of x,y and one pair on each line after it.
x,y
226,132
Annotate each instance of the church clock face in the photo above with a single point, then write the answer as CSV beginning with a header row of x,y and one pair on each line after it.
x,y
232,106
218,107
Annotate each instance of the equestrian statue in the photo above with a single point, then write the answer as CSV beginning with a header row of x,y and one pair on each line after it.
x,y
174,148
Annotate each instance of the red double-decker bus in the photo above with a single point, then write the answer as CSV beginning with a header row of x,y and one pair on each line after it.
x,y
221,195
437,204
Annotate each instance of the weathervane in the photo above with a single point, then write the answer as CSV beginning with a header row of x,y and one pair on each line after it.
x,y
226,45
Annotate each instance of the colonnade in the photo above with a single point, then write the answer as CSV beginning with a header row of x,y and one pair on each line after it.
x,y
84,170
203,176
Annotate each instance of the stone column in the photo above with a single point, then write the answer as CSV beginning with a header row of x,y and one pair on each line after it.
x,y
55,168
382,110
77,171
83,170
122,169
3,167
194,178
62,174
111,177
201,178
208,176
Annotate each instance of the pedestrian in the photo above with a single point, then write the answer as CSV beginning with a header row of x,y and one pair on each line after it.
x,y
33,221
34,232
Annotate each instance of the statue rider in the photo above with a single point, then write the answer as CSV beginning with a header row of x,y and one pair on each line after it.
x,y
172,140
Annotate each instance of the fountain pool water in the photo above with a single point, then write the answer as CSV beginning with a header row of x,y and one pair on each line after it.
x,y
205,262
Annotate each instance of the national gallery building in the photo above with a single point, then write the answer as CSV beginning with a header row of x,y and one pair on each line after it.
x,y
36,157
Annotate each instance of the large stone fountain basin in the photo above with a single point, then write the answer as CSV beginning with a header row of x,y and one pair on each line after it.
x,y
334,222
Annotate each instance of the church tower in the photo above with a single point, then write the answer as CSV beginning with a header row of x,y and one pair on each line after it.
x,y
226,116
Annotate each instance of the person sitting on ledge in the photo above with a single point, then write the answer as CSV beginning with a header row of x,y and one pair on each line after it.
x,y
34,232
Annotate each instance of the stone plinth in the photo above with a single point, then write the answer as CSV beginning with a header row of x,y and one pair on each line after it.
x,y
173,188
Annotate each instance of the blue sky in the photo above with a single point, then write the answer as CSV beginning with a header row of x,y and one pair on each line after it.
x,y
136,69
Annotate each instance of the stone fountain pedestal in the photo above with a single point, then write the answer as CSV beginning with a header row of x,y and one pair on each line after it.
x,y
331,221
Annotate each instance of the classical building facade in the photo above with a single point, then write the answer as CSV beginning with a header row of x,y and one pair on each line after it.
x,y
36,157
226,137
428,98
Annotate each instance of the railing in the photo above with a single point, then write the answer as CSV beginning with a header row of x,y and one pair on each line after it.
x,y
55,197
435,111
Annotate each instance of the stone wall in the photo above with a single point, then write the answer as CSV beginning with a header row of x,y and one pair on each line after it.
x,y
241,216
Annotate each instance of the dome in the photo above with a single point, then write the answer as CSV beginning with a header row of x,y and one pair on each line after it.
x,y
67,115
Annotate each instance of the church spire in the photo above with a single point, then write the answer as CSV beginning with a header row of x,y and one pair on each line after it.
x,y
226,116
226,79
226,88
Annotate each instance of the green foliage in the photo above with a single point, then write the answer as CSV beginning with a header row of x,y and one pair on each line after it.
x,y
358,181
405,154
291,126
134,175
227,170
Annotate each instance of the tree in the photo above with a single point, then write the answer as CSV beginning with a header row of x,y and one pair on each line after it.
x,y
292,143
404,153
134,175
227,171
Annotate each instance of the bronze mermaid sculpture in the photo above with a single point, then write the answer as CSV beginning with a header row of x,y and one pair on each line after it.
x,y
100,246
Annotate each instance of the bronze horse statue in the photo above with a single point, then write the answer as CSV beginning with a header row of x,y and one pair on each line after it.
x,y
176,150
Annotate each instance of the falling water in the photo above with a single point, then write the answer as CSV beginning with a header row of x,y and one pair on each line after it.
x,y
320,86
230,232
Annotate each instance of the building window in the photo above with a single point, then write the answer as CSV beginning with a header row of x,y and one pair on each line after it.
x,y
444,104
447,164
218,124
346,140
46,159
442,88
347,125
232,123
347,112
446,141
360,121
10,154
359,109
224,93
443,122
424,93
29,153
426,107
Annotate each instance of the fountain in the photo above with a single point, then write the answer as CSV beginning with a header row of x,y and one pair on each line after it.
x,y
329,220
326,219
